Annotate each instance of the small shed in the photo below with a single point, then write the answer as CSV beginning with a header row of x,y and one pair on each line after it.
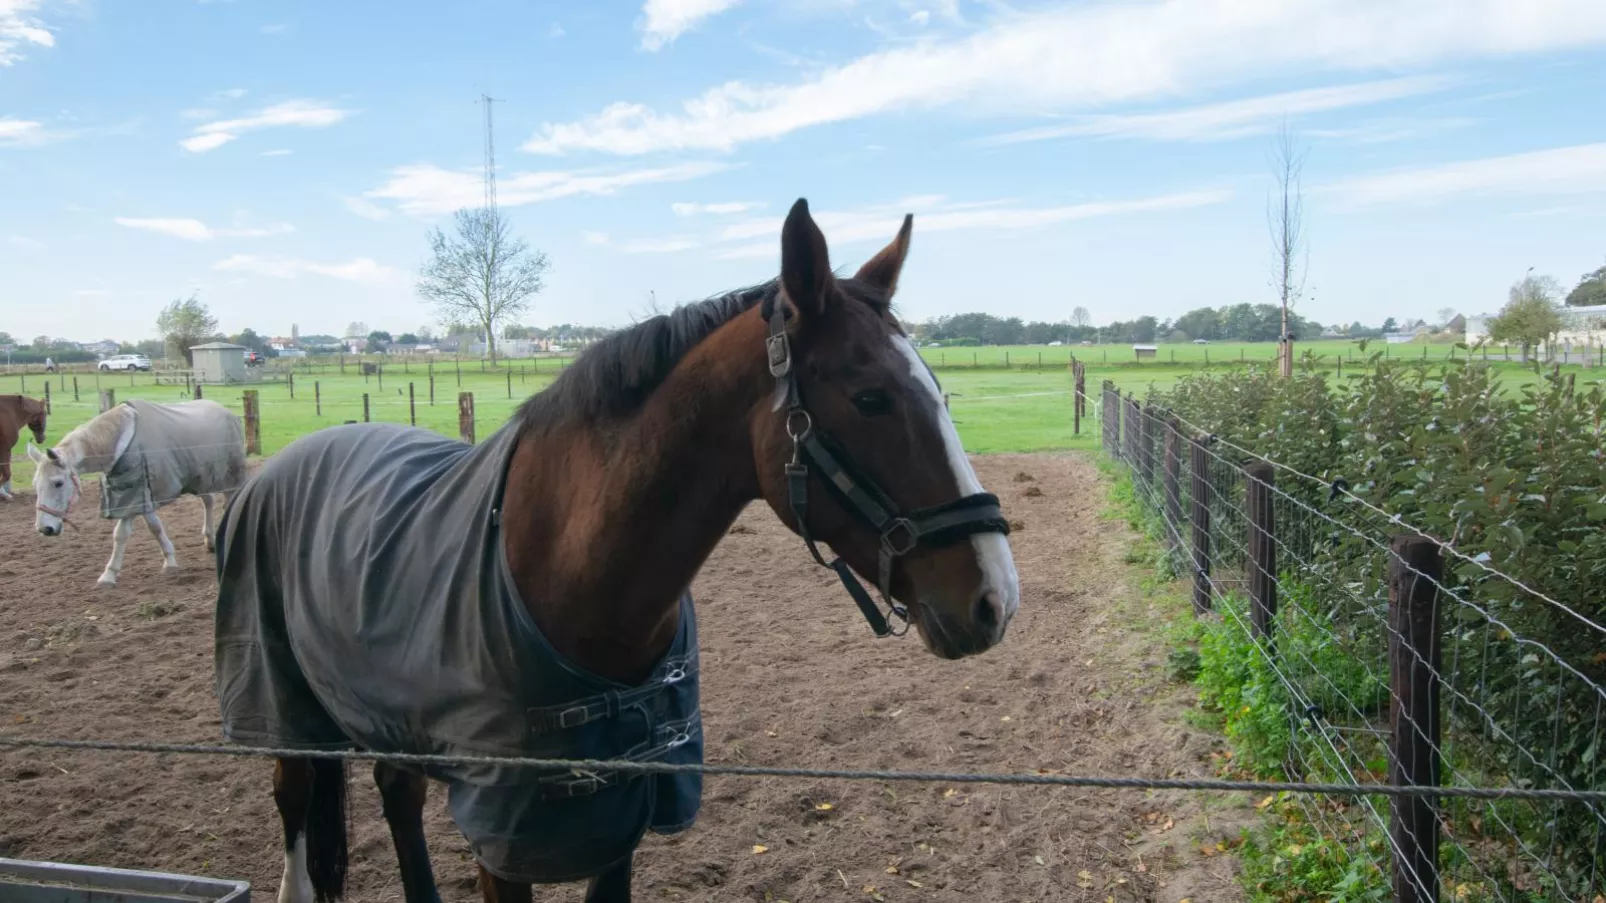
x,y
218,362
1145,352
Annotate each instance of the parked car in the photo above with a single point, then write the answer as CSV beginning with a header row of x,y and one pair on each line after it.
x,y
253,359
1201,341
126,362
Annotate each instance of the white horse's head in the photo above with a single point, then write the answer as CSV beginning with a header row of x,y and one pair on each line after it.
x,y
55,488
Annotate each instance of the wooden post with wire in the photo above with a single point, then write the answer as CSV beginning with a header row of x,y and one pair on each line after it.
x,y
412,406
465,416
317,398
365,407
253,422
75,388
1173,483
1200,461
290,381
47,395
509,382
1259,480
1415,569
108,399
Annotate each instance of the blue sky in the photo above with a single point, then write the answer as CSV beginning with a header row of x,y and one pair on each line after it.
x,y
284,160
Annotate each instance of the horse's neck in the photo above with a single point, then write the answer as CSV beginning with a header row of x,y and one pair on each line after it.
x,y
95,447
604,532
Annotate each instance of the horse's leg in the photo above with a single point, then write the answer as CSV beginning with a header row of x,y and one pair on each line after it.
x,y
5,475
311,796
495,890
170,560
120,534
612,886
403,793
206,521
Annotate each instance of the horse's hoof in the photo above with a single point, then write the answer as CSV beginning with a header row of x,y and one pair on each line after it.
x,y
169,566
107,580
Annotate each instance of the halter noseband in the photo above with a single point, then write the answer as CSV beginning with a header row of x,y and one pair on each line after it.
x,y
899,533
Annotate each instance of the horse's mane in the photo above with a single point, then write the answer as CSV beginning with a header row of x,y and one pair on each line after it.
x,y
99,436
617,374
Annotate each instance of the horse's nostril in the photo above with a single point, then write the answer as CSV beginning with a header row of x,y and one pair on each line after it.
x,y
987,612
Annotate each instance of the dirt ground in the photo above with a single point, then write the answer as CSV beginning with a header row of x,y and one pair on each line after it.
x,y
791,676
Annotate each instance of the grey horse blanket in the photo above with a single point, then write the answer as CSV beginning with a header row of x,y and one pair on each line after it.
x,y
364,599
195,447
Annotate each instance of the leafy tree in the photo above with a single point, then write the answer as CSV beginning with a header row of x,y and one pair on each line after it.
x,y
1144,329
1591,290
514,331
1080,317
378,339
481,273
41,343
184,324
1201,323
250,339
407,338
6,339
1390,326
1530,315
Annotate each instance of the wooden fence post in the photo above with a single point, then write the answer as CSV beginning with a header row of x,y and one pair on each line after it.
x,y
1200,465
365,407
379,371
465,416
1259,478
317,398
198,393
1173,483
459,363
432,388
108,399
510,382
47,395
290,380
75,388
1415,567
412,406
253,422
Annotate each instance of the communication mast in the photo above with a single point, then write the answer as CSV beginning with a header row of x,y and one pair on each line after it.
x,y
490,154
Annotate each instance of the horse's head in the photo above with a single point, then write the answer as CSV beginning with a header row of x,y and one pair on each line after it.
x,y
36,419
55,488
857,436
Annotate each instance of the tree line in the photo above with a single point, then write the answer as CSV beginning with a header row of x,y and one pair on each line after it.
x,y
1238,322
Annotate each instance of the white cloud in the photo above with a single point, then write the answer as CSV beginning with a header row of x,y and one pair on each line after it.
x,y
21,132
1232,119
195,230
666,245
1393,128
1580,169
595,238
934,213
359,269
26,243
277,152
365,208
725,208
197,113
1085,56
665,20
426,189
18,27
296,113
232,93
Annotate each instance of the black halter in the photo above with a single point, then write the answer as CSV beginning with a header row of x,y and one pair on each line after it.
x,y
900,533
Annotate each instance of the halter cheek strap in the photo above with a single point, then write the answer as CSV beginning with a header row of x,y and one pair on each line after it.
x,y
899,533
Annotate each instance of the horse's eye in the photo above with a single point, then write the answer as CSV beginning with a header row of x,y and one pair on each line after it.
x,y
872,402
58,483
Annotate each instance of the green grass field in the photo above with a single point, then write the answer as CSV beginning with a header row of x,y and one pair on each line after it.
x,y
1022,409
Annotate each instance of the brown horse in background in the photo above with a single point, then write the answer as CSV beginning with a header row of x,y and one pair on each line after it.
x,y
17,411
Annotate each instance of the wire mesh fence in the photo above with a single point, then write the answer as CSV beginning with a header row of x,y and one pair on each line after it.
x,y
1378,655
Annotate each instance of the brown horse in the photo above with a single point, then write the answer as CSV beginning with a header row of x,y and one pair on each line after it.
x,y
598,503
17,411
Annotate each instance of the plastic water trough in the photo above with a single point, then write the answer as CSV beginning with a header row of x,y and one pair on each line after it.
x,y
54,882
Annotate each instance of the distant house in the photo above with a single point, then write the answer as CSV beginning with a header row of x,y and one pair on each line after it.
x,y
102,347
1457,323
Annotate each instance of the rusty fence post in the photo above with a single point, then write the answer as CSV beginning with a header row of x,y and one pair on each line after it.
x,y
253,422
1200,465
108,399
1415,568
465,416
1259,478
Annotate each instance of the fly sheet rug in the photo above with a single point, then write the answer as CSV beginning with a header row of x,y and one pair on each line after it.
x,y
189,447
364,599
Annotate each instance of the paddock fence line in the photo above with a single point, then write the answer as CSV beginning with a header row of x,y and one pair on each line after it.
x,y
1390,656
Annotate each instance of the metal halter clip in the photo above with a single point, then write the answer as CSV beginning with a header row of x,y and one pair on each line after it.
x,y
780,354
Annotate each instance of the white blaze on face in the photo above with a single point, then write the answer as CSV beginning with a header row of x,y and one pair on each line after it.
x,y
992,550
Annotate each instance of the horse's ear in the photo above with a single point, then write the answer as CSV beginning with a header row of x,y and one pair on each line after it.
x,y
51,454
881,271
805,263
35,455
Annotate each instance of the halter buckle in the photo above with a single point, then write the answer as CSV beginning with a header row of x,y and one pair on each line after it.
x,y
903,529
780,355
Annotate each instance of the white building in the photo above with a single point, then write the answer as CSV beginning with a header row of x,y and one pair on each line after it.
x,y
1580,327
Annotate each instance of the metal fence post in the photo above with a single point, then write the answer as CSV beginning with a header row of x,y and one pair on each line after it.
x,y
1200,465
1415,567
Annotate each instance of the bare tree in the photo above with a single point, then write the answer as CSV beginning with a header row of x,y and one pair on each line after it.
x,y
481,273
1285,216
1080,317
1446,314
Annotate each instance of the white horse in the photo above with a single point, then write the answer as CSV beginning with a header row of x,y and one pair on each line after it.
x,y
148,455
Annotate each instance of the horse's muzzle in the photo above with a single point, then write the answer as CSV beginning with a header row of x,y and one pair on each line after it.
x,y
49,530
